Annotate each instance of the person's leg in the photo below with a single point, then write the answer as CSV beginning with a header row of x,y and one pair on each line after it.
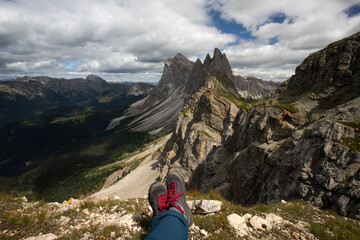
x,y
169,225
176,195
171,214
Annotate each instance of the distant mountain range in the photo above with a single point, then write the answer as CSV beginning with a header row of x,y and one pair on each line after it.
x,y
29,97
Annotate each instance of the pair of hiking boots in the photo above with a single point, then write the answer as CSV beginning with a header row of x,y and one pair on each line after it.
x,y
170,197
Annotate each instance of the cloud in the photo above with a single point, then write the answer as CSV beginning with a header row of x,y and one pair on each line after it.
x,y
104,36
129,39
297,29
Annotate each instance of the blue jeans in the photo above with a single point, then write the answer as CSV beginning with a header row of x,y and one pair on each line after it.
x,y
169,225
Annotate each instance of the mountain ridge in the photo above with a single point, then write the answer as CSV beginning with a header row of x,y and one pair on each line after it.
x,y
294,145
29,97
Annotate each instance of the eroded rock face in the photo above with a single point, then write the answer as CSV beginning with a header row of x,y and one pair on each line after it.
x,y
255,165
199,129
311,164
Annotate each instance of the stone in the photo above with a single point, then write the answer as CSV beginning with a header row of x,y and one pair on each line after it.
x,y
204,232
274,219
64,220
86,211
260,223
295,235
204,206
49,236
239,224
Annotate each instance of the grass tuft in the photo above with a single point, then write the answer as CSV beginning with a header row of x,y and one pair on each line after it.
x,y
289,107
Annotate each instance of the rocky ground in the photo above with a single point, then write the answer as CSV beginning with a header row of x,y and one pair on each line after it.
x,y
214,218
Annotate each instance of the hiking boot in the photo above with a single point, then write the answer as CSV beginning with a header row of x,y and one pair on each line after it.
x,y
158,198
176,196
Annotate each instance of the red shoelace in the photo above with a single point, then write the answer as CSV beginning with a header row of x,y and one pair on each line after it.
x,y
173,195
162,202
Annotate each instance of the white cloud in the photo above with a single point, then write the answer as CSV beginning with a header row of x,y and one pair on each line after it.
x,y
104,36
17,66
307,27
130,39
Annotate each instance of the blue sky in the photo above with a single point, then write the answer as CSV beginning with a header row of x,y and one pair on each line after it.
x,y
123,40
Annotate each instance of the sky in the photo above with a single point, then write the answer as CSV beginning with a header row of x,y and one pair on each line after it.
x,y
129,40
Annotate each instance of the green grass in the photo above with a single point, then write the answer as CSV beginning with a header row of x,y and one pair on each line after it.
x,y
79,118
237,101
352,142
335,228
184,112
289,107
354,125
206,134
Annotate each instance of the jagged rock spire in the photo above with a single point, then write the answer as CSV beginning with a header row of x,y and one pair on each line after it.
x,y
218,64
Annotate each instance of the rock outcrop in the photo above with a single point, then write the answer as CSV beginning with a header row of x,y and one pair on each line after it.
x,y
302,143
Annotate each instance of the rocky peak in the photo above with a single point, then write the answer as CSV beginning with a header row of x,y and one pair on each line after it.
x,y
95,82
218,64
207,60
94,78
176,72
331,74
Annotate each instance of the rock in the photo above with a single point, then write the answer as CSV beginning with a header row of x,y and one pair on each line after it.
x,y
239,224
260,223
49,236
283,201
128,221
86,211
116,197
295,235
64,220
204,233
204,206
273,219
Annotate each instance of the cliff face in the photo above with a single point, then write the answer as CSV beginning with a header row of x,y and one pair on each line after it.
x,y
307,148
199,128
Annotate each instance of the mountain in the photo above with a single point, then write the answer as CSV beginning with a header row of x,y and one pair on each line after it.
x,y
300,143
28,97
181,78
252,87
